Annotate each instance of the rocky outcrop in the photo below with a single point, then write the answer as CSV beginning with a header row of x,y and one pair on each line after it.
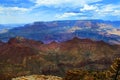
x,y
38,77
21,57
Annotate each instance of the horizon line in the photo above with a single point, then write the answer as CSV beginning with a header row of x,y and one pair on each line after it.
x,y
60,20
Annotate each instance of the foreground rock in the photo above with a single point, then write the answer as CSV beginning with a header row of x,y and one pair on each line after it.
x,y
38,77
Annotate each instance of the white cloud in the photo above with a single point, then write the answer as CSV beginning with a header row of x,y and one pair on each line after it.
x,y
66,15
116,12
89,7
63,3
109,9
1,9
12,10
17,9
99,11
63,9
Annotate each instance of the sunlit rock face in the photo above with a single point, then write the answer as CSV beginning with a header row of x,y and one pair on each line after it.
x,y
59,31
38,77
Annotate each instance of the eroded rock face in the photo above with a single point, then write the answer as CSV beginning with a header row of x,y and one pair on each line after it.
x,y
22,57
38,77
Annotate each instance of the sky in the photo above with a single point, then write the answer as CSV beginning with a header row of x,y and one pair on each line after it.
x,y
28,11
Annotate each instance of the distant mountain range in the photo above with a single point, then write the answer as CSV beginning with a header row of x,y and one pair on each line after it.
x,y
5,27
59,31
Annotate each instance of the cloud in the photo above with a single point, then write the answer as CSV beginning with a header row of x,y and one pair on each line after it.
x,y
1,9
58,10
17,9
66,15
94,11
116,13
14,10
114,10
63,3
108,10
89,7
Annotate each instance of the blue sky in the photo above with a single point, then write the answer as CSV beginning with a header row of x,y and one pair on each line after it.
x,y
27,11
